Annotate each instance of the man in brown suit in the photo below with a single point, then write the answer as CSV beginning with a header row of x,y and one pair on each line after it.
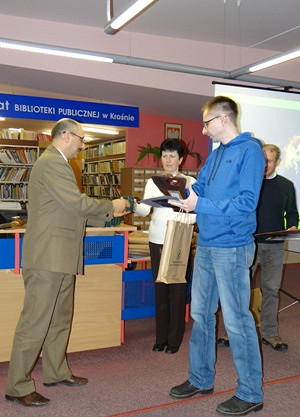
x,y
52,256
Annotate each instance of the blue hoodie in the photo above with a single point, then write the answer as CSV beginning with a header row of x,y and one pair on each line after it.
x,y
228,188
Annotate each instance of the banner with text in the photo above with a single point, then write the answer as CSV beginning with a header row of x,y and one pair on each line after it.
x,y
42,108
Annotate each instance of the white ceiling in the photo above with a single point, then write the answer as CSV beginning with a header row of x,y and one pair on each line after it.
x,y
271,25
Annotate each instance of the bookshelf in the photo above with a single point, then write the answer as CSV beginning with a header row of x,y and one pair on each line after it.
x,y
16,160
102,168
133,182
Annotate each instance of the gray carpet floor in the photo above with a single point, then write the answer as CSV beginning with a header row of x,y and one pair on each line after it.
x,y
131,380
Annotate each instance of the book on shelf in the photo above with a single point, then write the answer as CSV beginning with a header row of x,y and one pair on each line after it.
x,y
27,135
117,165
15,155
9,134
115,192
104,166
92,152
5,157
119,147
13,174
92,168
13,191
31,155
44,137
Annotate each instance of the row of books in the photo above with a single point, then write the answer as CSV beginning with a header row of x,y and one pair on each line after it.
x,y
17,134
111,166
102,191
104,179
13,192
92,152
18,156
91,167
14,174
113,148
105,149
43,137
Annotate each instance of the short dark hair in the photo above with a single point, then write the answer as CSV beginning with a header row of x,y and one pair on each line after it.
x,y
63,125
173,145
224,105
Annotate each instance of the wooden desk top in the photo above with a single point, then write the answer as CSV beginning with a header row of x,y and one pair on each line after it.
x,y
90,231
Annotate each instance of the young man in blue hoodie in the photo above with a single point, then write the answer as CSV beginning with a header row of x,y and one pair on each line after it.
x,y
225,197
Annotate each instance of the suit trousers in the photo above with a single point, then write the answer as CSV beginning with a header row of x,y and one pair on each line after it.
x,y
170,302
271,261
44,325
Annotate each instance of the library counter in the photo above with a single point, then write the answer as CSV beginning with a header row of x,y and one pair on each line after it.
x,y
98,294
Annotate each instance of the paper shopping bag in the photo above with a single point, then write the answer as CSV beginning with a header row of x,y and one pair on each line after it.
x,y
175,253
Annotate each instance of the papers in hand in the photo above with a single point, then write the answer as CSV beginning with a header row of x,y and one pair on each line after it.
x,y
161,201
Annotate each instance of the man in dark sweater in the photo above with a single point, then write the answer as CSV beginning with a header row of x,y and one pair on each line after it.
x,y
276,210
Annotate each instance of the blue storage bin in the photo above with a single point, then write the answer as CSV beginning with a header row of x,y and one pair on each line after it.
x,y
138,294
103,250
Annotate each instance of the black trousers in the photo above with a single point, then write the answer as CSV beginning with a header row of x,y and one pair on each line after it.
x,y
170,303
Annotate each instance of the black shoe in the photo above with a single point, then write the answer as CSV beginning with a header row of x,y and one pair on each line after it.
x,y
159,347
223,341
237,407
72,381
276,342
171,349
186,390
34,399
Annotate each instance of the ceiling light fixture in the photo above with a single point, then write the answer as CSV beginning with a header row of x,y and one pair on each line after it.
x,y
88,139
53,50
242,74
274,61
266,63
118,22
100,130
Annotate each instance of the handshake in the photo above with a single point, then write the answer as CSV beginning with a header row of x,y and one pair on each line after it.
x,y
123,205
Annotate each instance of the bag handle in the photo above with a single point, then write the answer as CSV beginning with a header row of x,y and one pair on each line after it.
x,y
184,217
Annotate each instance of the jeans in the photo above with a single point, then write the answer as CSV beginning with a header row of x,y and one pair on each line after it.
x,y
224,273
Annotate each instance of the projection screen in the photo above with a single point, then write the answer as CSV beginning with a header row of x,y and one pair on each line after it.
x,y
273,117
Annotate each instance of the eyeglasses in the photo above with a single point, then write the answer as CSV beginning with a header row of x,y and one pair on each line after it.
x,y
81,138
205,124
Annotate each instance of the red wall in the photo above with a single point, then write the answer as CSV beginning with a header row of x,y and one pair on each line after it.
x,y
151,130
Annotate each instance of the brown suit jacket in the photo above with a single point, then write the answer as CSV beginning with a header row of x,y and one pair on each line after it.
x,y
57,215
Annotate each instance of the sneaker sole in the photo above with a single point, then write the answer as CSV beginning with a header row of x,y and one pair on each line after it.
x,y
256,407
198,391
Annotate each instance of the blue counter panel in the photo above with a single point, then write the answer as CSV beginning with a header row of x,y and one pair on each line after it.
x,y
97,250
7,252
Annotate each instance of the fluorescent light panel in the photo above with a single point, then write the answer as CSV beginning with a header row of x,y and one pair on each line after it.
x,y
129,14
275,61
48,50
100,130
